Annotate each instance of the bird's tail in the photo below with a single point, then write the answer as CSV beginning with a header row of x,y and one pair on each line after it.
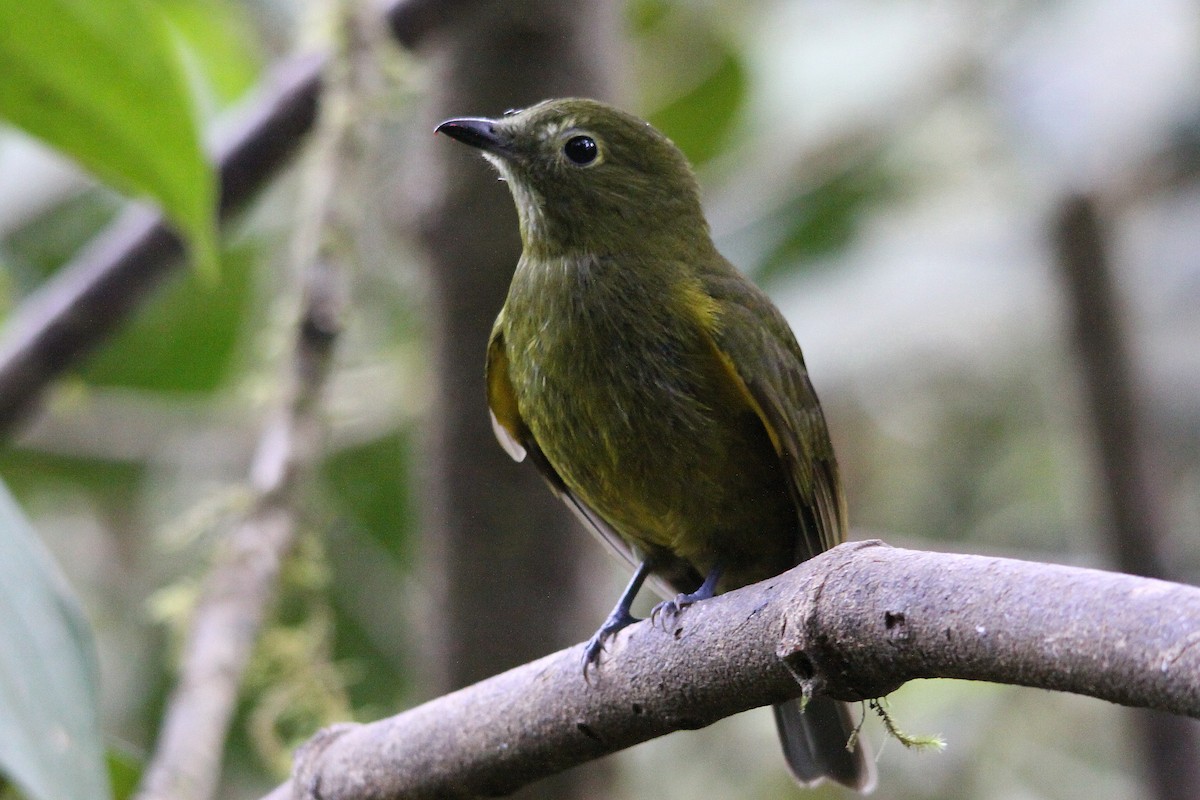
x,y
814,739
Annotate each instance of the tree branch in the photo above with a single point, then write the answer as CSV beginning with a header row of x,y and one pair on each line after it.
x,y
856,622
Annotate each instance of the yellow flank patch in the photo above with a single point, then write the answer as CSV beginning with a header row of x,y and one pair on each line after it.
x,y
502,400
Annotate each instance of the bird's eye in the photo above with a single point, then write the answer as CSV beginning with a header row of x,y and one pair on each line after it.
x,y
581,150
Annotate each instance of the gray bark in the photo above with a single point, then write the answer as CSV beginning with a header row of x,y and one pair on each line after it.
x,y
856,622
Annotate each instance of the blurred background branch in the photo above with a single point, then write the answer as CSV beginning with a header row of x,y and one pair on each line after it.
x,y
1128,459
238,591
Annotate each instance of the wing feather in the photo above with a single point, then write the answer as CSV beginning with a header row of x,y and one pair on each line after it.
x,y
754,343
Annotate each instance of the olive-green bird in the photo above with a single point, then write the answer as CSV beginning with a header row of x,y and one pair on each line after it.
x,y
660,393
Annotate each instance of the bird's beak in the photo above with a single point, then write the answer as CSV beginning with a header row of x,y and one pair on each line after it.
x,y
477,132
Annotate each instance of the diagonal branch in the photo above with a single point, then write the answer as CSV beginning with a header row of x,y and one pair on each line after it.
x,y
241,585
90,298
856,622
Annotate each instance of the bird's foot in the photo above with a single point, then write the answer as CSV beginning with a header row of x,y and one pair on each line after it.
x,y
595,646
669,609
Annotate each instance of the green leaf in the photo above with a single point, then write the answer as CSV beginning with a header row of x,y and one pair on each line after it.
x,y
186,337
124,772
824,219
369,486
49,736
701,121
693,76
220,36
102,81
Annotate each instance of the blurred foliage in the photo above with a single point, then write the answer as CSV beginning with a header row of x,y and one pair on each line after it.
x,y
112,483
38,248
369,488
220,41
886,170
694,78
293,684
701,119
186,339
102,81
49,742
124,772
822,221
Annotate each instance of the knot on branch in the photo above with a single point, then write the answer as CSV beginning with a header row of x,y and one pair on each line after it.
x,y
306,764
817,648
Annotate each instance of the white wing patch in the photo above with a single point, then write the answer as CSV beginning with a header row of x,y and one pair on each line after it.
x,y
510,445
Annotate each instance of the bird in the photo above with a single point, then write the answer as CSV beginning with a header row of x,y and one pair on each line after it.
x,y
659,392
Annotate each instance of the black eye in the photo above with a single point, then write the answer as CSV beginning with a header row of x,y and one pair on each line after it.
x,y
581,149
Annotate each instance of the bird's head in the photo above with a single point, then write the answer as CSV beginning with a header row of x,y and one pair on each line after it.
x,y
588,177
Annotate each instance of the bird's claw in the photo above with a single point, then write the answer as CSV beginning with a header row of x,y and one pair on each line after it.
x,y
595,645
591,654
669,609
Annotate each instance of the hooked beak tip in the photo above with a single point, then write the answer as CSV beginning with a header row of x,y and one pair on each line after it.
x,y
473,131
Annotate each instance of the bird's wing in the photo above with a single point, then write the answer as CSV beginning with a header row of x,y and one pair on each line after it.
x,y
519,442
755,345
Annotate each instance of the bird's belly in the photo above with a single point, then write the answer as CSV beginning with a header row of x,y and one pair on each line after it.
x,y
672,461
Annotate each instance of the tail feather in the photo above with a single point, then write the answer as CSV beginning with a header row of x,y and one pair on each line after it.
x,y
814,739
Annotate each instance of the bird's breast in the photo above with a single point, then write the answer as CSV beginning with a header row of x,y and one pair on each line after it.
x,y
617,381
